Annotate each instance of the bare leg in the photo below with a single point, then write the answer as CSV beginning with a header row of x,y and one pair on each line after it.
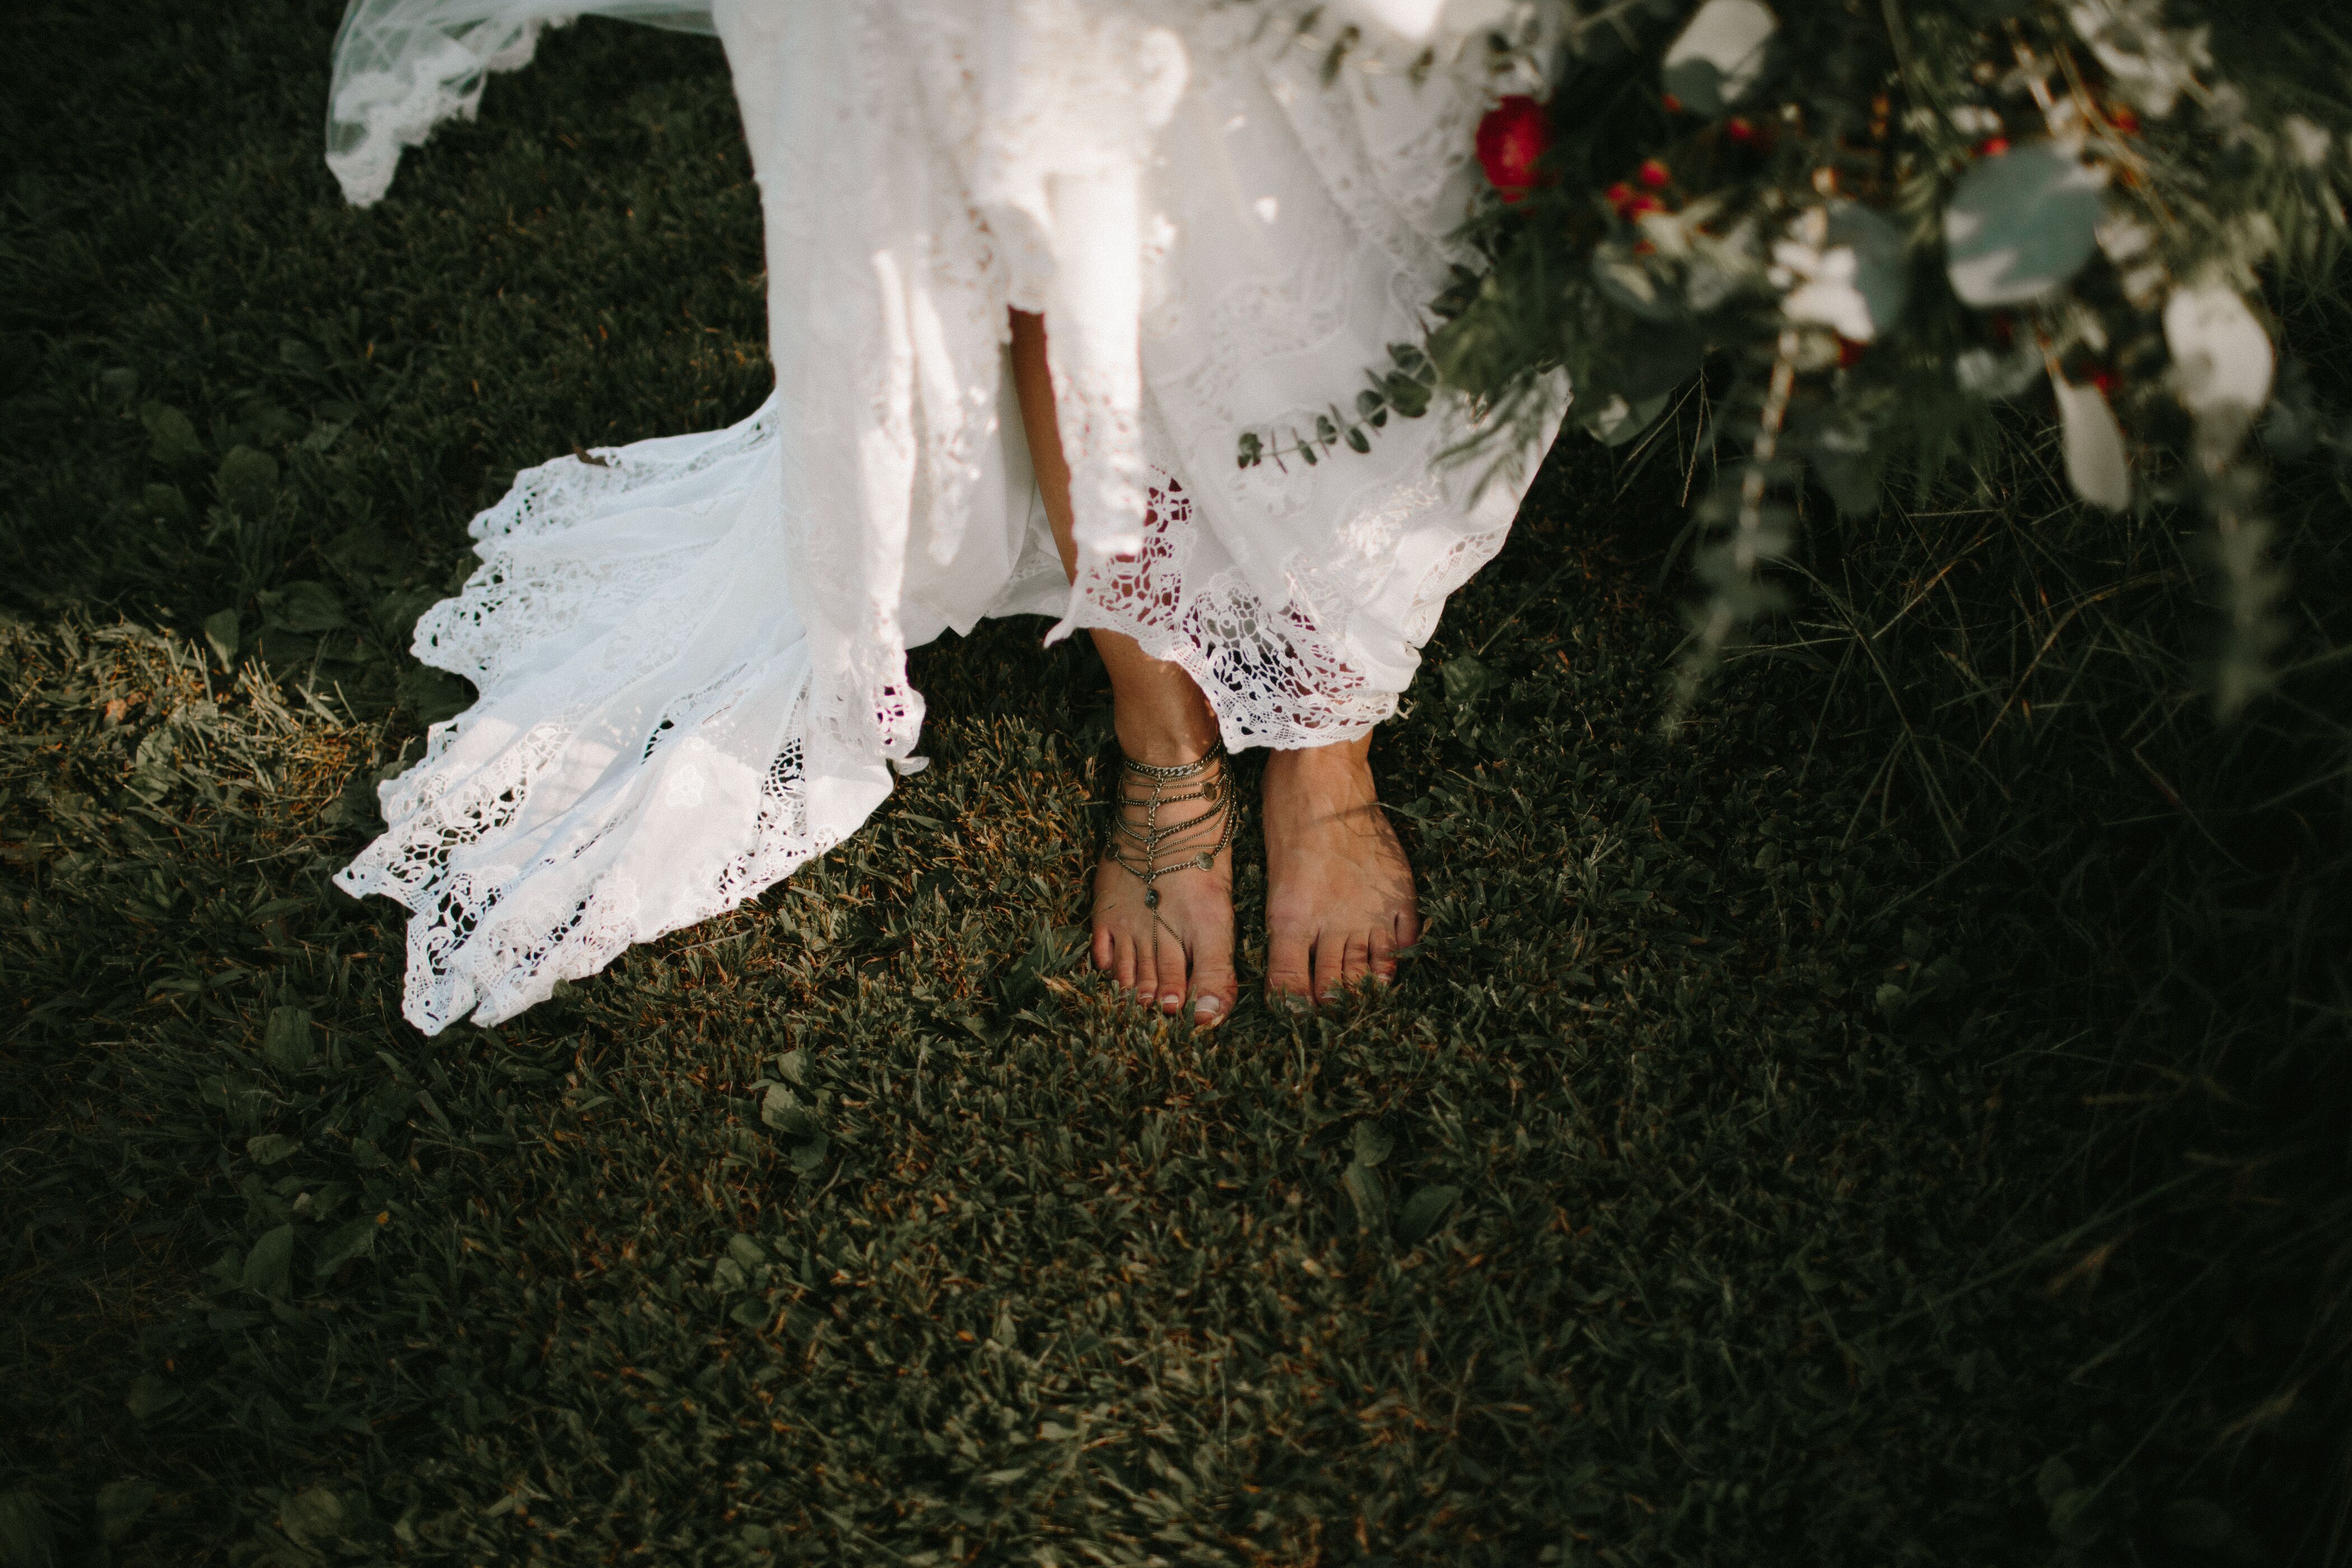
x,y
1180,955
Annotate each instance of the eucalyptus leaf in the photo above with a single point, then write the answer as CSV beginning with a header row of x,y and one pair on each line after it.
x,y
2020,226
2096,462
1722,56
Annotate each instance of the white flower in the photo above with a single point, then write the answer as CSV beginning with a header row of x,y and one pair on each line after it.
x,y
2307,141
1842,266
1820,288
2221,358
1984,373
2123,236
2153,63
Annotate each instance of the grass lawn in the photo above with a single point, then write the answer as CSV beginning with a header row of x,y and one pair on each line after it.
x,y
1692,1200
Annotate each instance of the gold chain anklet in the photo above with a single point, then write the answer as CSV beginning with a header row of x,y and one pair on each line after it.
x,y
1183,846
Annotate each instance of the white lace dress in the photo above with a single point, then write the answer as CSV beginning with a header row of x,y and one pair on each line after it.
x,y
691,659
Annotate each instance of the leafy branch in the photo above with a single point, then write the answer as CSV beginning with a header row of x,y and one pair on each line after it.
x,y
1404,390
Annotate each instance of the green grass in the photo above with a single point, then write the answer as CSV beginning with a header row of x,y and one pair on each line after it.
x,y
1692,1200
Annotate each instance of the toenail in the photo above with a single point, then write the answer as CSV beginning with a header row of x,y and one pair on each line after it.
x,y
1206,1007
1172,1000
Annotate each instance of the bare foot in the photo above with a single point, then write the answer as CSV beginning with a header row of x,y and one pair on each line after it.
x,y
1339,902
1170,940
1172,943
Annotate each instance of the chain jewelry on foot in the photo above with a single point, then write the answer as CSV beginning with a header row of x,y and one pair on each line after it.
x,y
1152,849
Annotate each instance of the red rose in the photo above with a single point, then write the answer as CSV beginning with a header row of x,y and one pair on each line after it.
x,y
1514,136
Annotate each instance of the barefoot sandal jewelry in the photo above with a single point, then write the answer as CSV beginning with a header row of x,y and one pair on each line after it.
x,y
1153,848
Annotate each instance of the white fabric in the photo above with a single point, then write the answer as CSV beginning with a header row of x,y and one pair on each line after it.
x,y
692,662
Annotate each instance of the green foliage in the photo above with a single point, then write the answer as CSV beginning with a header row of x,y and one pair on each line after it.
x,y
1883,224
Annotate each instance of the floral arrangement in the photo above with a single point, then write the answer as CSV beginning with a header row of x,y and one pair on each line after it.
x,y
1888,218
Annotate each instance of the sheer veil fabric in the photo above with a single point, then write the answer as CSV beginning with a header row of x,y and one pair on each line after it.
x,y
691,661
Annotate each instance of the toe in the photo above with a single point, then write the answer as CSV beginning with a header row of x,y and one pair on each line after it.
x,y
1380,953
1122,964
1356,959
1286,973
1105,949
1215,988
1173,963
1146,971
1329,968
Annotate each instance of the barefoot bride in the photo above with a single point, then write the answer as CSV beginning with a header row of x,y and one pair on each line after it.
x,y
1033,265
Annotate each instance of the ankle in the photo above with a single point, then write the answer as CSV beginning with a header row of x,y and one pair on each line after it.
x,y
1168,728
1339,763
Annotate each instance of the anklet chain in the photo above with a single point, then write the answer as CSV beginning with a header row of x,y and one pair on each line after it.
x,y
1186,845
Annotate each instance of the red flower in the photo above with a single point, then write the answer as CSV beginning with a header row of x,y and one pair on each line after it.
x,y
2122,119
1671,104
1992,146
1514,136
1644,203
1738,129
1620,197
1653,175
2106,381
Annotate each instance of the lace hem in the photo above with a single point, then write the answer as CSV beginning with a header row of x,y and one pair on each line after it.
x,y
636,761
1274,675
